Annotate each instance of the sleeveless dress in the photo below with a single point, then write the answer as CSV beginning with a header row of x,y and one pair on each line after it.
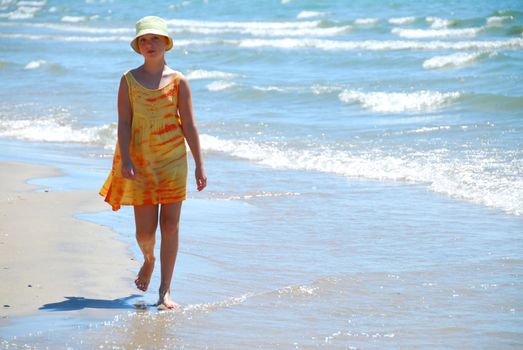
x,y
157,149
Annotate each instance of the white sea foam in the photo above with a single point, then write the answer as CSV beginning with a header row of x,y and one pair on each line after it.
x,y
310,14
251,195
308,43
436,33
208,307
290,28
67,27
402,20
25,10
76,19
427,129
35,64
296,291
199,74
54,130
220,85
439,23
269,88
377,45
456,178
497,21
395,102
66,38
187,27
454,60
325,89
469,178
366,21
32,3
113,38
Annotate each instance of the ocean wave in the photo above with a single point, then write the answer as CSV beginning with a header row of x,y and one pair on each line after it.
x,y
76,19
269,88
427,129
308,43
56,130
396,102
402,20
188,27
297,28
66,27
114,38
466,179
298,291
43,64
243,24
318,89
221,85
455,60
366,21
35,64
377,45
25,10
66,38
436,33
470,178
251,195
498,21
439,23
310,14
200,74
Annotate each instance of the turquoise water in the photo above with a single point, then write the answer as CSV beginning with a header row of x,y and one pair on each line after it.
x,y
365,163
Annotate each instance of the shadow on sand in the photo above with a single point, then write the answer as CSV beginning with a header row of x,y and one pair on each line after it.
x,y
79,303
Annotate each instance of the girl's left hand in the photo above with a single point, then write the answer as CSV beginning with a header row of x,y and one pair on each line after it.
x,y
201,178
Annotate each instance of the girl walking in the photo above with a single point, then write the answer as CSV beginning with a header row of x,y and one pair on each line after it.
x,y
149,170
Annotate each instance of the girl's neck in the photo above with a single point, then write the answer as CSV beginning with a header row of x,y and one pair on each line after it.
x,y
154,67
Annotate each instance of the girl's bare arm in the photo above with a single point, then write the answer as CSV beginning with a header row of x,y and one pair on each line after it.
x,y
124,129
190,132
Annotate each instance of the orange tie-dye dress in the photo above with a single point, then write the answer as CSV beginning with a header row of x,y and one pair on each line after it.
x,y
157,149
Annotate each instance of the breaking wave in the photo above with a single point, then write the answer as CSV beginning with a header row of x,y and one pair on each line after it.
x,y
395,102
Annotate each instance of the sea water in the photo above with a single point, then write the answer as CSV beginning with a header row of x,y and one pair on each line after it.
x,y
365,166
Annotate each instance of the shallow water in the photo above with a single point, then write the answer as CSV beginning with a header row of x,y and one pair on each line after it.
x,y
365,166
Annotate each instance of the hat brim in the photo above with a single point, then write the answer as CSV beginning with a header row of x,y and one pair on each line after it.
x,y
134,42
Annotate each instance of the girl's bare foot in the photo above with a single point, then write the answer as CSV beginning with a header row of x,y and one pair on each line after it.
x,y
144,276
165,301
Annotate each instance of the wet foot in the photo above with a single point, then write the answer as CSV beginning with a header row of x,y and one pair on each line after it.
x,y
144,276
165,302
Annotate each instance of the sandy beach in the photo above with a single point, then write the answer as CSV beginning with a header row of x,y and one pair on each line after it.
x,y
49,258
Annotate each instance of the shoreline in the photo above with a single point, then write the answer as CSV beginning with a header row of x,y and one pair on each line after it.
x,y
50,259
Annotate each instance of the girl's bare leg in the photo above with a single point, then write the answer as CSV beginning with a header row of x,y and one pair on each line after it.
x,y
146,219
169,226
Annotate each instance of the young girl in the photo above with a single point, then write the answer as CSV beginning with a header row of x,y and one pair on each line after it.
x,y
149,170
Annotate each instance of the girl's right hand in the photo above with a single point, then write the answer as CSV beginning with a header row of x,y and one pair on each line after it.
x,y
128,170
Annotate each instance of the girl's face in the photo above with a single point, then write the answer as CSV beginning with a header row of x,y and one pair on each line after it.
x,y
152,44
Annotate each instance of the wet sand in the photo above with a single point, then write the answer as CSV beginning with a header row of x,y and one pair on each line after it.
x,y
49,260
